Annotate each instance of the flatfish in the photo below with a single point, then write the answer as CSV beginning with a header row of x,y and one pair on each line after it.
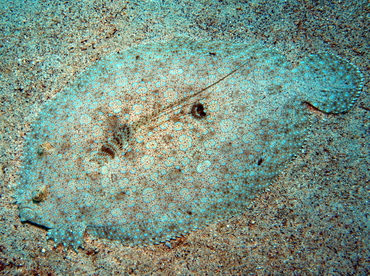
x,y
164,138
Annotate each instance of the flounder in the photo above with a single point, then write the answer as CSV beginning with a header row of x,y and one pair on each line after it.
x,y
167,137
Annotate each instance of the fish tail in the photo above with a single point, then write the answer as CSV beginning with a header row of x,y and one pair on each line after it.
x,y
329,83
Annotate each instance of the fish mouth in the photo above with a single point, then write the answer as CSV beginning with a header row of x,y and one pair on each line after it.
x,y
29,215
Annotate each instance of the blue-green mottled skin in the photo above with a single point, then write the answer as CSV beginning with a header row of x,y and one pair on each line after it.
x,y
167,137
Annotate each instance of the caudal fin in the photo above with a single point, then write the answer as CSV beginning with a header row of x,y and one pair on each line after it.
x,y
329,82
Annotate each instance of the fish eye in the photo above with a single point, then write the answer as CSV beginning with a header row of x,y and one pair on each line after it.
x,y
197,111
39,195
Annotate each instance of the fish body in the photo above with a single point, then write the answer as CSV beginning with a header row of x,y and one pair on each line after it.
x,y
167,137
